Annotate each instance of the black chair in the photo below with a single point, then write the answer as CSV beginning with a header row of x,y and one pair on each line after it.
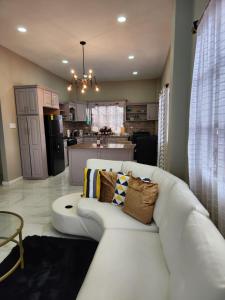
x,y
146,150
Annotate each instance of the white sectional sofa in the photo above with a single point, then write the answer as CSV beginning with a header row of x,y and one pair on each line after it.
x,y
180,256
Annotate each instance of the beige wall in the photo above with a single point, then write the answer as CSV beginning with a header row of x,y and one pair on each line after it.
x,y
133,90
178,72
166,76
15,70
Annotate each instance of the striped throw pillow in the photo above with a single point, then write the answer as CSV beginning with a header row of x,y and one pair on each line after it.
x,y
91,183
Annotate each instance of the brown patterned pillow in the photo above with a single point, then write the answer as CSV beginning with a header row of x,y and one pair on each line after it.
x,y
108,183
140,199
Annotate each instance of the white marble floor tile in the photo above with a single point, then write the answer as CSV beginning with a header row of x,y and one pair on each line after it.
x,y
32,199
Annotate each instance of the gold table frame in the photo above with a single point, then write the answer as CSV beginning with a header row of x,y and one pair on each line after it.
x,y
12,238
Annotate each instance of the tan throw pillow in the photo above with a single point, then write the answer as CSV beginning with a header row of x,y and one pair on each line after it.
x,y
140,199
108,183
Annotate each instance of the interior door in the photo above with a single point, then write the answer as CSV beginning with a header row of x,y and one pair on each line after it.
x,y
35,146
24,146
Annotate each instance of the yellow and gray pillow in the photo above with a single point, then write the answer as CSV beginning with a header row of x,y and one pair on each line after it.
x,y
121,188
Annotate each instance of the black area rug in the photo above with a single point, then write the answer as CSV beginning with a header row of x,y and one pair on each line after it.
x,y
54,269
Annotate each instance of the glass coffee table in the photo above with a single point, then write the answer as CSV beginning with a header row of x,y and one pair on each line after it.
x,y
11,226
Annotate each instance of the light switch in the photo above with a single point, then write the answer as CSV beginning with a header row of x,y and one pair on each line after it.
x,y
12,125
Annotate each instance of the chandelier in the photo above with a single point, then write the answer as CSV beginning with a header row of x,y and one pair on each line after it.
x,y
86,80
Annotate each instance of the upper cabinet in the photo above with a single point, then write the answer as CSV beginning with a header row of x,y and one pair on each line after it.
x,y
81,112
55,100
30,99
51,99
139,112
75,112
152,111
26,101
47,101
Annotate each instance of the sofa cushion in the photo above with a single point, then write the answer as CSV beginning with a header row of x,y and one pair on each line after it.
x,y
113,165
120,188
92,183
111,216
128,265
140,199
181,202
200,274
165,181
138,170
108,183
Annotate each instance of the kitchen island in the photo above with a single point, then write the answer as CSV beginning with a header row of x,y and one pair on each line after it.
x,y
80,153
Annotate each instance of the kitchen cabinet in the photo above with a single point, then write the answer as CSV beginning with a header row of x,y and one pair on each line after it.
x,y
26,101
29,106
152,111
51,99
139,112
80,153
33,154
47,99
24,146
81,112
66,153
76,112
55,100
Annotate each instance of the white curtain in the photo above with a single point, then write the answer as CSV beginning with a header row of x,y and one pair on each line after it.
x,y
111,116
163,128
206,147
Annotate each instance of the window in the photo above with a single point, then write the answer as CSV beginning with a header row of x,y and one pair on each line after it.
x,y
206,146
111,116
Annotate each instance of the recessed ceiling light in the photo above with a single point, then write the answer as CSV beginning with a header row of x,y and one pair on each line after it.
x,y
121,19
135,72
65,61
131,57
21,29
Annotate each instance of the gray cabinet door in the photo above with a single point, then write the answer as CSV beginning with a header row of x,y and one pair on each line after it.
x,y
24,146
81,112
35,146
26,101
21,101
152,111
55,101
47,98
32,99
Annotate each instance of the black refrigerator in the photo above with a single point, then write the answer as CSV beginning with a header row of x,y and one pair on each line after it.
x,y
54,144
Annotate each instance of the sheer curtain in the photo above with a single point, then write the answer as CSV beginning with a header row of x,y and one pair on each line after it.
x,y
163,127
206,147
107,115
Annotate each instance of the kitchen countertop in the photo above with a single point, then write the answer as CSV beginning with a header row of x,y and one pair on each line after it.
x,y
108,136
107,146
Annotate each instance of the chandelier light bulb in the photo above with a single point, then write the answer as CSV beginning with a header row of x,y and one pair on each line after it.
x,y
75,77
85,75
69,88
84,86
82,91
89,76
97,88
72,71
90,71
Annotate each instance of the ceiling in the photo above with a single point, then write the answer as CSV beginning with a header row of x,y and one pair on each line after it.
x,y
55,28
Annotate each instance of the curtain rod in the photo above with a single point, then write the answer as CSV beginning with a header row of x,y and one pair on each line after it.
x,y
197,22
